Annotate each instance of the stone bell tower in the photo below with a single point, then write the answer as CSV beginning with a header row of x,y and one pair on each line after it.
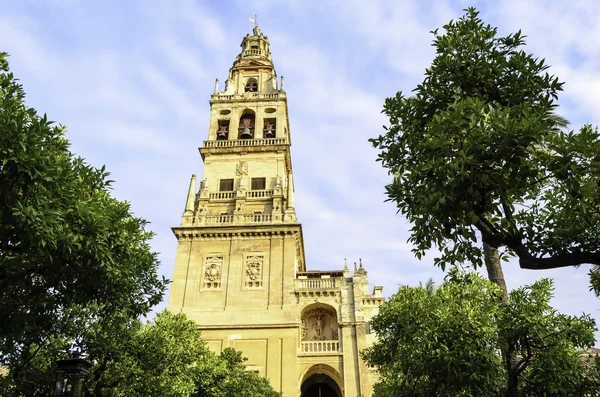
x,y
240,272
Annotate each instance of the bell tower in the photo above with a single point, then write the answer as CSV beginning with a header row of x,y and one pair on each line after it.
x,y
240,271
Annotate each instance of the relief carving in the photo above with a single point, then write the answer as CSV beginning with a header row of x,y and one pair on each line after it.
x,y
242,168
212,271
254,271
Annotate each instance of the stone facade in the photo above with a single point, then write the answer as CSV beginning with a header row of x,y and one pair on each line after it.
x,y
240,271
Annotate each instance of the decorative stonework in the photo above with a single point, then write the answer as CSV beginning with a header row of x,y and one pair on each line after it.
x,y
212,271
241,168
319,324
254,267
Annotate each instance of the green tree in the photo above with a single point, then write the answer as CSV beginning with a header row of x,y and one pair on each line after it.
x,y
445,342
231,379
67,248
163,357
477,156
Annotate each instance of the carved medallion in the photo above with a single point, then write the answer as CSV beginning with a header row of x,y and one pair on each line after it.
x,y
212,272
253,270
242,168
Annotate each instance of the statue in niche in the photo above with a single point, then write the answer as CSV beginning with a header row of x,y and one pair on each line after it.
x,y
319,324
320,327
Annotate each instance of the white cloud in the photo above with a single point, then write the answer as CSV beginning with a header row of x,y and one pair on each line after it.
x,y
140,90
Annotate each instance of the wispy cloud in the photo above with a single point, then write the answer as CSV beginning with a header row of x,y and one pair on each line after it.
x,y
131,81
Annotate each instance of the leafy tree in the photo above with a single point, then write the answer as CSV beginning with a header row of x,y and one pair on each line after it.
x,y
67,248
477,152
164,357
231,379
445,342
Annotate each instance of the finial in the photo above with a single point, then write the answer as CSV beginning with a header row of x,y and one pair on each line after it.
x,y
255,30
345,264
254,20
361,266
216,86
354,266
282,89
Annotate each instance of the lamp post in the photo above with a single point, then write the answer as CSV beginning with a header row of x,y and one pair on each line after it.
x,y
70,375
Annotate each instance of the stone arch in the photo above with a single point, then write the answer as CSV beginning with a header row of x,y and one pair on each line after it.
x,y
319,322
246,124
321,380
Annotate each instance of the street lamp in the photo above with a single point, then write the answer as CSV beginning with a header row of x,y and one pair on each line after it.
x,y
70,375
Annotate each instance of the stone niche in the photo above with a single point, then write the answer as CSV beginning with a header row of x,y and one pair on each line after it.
x,y
319,323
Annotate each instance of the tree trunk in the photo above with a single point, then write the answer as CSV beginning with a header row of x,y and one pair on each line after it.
x,y
494,269
496,276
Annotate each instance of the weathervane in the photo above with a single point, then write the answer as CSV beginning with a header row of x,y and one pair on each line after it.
x,y
254,20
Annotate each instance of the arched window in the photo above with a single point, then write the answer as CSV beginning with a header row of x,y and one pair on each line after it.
x,y
246,126
251,85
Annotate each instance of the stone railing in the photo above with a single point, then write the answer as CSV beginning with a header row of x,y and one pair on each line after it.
x,y
246,142
216,220
255,53
258,218
320,347
316,283
247,96
259,193
222,195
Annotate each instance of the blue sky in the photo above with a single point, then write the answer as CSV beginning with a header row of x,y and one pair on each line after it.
x,y
131,81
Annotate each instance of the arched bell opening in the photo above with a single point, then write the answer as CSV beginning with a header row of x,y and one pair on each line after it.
x,y
246,126
321,381
251,84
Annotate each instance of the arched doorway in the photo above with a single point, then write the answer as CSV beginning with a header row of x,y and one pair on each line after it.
x,y
321,381
320,385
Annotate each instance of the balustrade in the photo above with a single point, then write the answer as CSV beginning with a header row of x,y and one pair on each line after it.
x,y
317,283
247,96
259,193
246,142
321,346
221,195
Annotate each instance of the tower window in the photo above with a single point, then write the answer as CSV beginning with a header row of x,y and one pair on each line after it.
x,y
251,85
270,127
246,130
259,183
223,130
226,185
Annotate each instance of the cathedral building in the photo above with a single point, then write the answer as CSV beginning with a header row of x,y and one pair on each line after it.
x,y
240,270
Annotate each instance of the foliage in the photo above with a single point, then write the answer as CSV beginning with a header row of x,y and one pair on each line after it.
x,y
164,357
478,150
445,341
67,248
439,341
231,379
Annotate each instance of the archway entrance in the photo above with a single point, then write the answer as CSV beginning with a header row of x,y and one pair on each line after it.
x,y
320,385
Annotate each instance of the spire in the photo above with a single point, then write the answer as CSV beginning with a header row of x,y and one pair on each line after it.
x,y
189,205
346,271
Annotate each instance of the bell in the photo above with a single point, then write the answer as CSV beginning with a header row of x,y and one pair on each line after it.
x,y
269,134
246,134
222,135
